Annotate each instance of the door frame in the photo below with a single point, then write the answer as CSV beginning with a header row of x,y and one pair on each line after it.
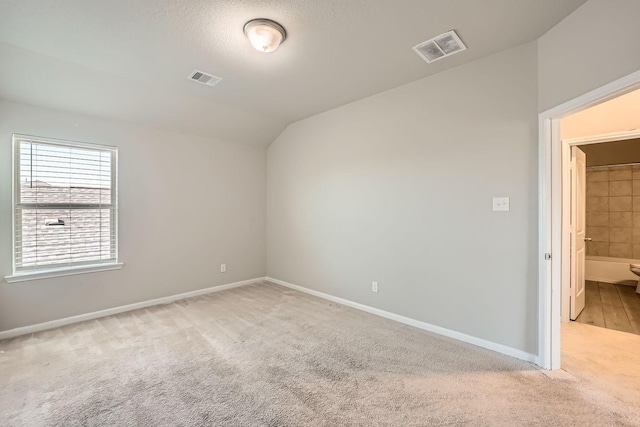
x,y
565,304
550,207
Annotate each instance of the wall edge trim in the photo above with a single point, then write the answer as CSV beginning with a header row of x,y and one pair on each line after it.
x,y
469,339
52,324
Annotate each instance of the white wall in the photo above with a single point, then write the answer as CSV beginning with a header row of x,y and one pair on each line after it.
x,y
187,204
595,45
398,188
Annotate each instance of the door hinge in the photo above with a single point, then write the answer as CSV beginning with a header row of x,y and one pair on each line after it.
x,y
547,256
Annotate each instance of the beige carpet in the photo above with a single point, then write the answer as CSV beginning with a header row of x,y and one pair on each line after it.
x,y
263,355
608,359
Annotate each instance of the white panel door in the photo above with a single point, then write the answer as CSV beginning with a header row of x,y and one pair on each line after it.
x,y
578,229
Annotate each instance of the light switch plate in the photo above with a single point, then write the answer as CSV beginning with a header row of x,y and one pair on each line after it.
x,y
500,204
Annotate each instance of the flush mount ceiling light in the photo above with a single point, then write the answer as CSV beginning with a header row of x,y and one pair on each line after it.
x,y
264,34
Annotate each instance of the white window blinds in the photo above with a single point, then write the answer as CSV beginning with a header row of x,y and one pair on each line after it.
x,y
65,204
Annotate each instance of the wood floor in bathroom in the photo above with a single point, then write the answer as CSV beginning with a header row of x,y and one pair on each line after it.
x,y
612,306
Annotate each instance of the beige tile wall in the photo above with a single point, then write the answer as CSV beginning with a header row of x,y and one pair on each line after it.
x,y
613,211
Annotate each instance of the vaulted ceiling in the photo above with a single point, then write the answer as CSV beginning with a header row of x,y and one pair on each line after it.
x,y
129,59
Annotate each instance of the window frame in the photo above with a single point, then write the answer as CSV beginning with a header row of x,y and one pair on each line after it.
x,y
32,273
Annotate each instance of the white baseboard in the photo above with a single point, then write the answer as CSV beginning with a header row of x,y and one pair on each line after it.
x,y
500,348
509,351
11,333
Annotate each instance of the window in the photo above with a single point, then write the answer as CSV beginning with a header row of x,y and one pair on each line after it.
x,y
65,213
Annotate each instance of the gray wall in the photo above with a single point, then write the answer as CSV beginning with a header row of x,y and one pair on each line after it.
x,y
187,204
595,45
398,188
395,188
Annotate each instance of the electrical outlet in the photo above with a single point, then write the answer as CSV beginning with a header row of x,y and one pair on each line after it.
x,y
374,286
223,268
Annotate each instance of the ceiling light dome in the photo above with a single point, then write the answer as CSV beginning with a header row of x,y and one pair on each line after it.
x,y
264,34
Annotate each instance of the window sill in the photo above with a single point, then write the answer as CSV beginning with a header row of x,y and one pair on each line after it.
x,y
69,271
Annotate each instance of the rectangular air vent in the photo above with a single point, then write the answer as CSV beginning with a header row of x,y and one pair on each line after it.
x,y
204,78
439,47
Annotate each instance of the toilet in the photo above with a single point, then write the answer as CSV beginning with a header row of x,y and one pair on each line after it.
x,y
635,269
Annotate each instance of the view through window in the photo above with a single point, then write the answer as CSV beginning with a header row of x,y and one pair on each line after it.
x,y
65,210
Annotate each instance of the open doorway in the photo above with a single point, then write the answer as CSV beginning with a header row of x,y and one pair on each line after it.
x,y
601,221
557,136
570,137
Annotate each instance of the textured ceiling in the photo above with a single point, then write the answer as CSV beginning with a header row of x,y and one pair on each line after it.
x,y
129,59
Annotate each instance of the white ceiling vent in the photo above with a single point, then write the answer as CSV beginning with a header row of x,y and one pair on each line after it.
x,y
204,78
439,47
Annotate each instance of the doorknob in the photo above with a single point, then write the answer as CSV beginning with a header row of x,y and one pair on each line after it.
x,y
588,239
